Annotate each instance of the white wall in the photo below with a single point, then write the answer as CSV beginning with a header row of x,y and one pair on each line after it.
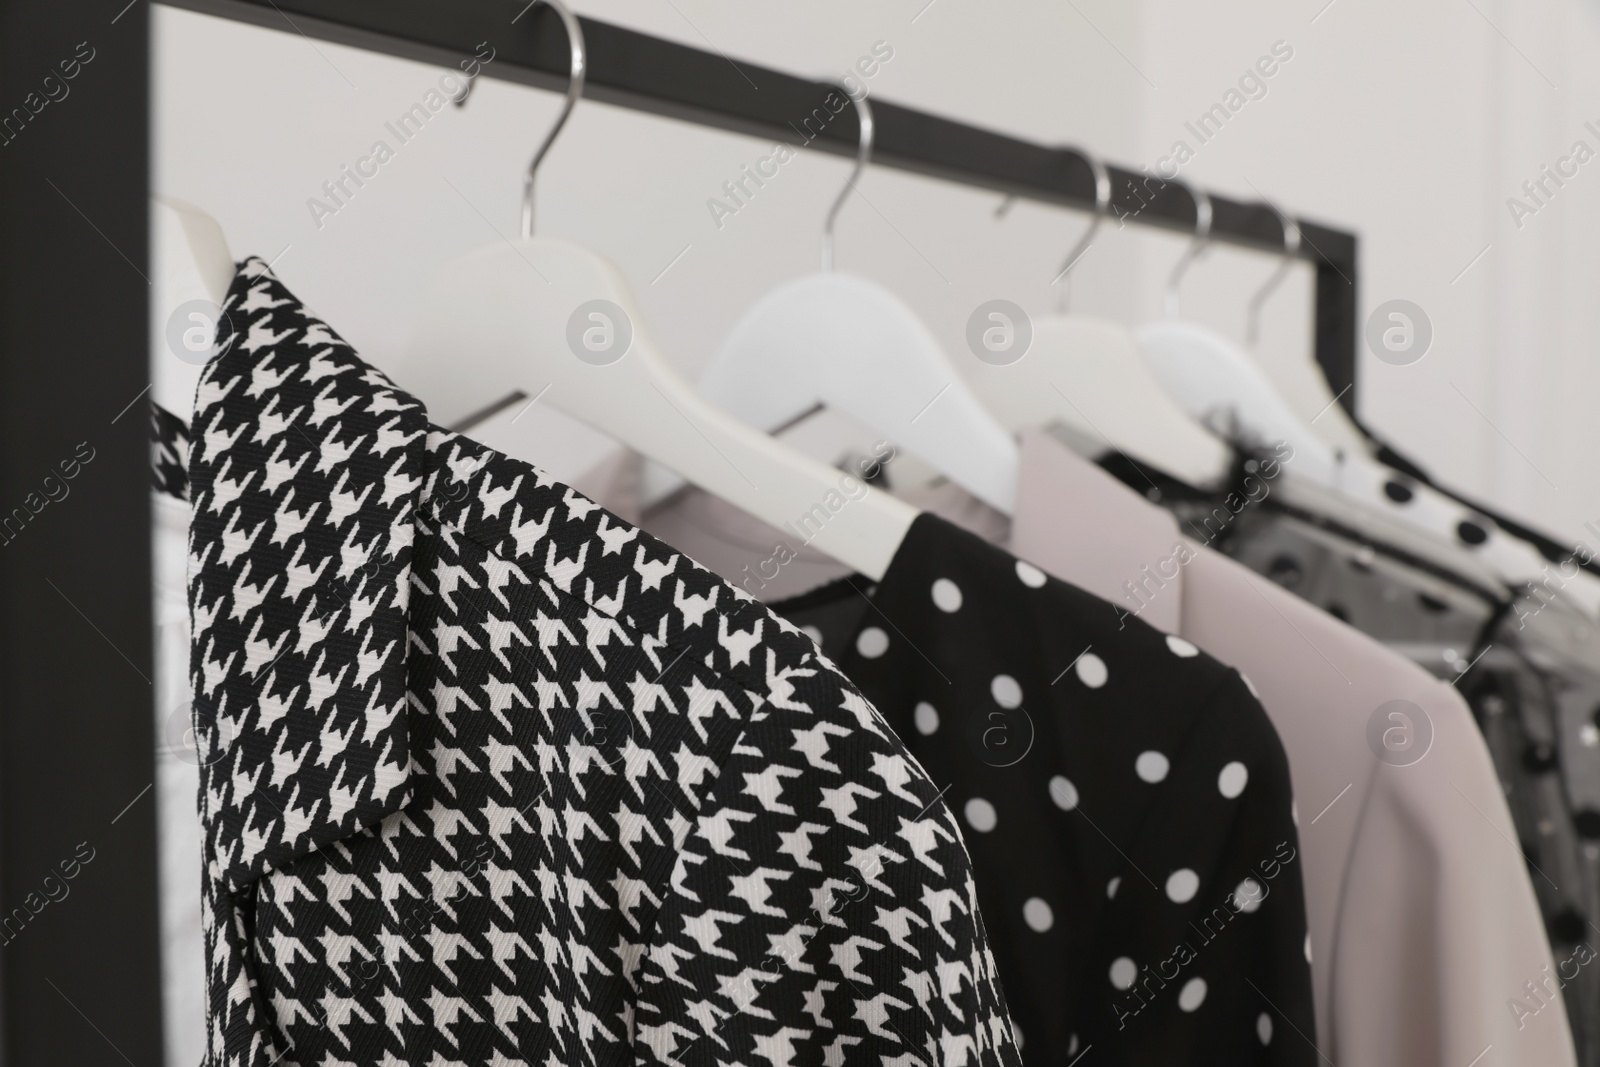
x,y
1410,123
1413,123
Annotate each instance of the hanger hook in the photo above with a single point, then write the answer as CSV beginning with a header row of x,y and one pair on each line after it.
x,y
1102,204
579,69
1291,245
863,155
1202,234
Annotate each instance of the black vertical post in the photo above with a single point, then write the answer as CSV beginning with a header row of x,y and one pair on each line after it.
x,y
1337,326
79,942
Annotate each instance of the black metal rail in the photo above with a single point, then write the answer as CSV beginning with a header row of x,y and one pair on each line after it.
x,y
645,73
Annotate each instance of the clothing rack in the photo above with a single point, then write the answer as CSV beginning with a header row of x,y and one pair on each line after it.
x,y
644,73
76,698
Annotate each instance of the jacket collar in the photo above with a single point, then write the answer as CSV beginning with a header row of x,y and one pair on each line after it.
x,y
306,470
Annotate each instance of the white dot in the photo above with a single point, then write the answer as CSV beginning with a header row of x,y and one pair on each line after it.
x,y
1005,690
1016,1035
1072,1045
927,718
980,815
1111,887
1064,793
1294,812
1091,670
1264,1028
1231,782
1152,766
1308,948
1031,576
1182,885
1193,994
1123,972
947,595
1248,684
1180,647
1037,914
872,642
812,632
1247,895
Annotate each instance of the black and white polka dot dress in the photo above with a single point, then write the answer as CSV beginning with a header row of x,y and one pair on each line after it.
x,y
1125,799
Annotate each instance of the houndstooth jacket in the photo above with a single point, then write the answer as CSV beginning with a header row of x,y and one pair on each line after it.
x,y
492,777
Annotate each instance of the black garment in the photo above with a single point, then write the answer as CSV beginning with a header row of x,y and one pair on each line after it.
x,y
169,453
1127,802
493,777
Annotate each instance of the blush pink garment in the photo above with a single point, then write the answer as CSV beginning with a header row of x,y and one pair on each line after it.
x,y
738,547
1423,922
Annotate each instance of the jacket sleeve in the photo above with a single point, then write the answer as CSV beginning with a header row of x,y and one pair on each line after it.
x,y
821,905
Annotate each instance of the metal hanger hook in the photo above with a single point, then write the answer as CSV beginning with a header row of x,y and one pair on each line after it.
x,y
1102,204
863,156
579,69
1202,234
1291,245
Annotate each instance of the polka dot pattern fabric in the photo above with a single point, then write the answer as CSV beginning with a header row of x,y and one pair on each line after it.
x,y
1125,799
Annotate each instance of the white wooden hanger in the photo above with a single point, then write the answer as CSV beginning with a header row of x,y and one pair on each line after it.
x,y
846,343
557,322
190,268
1303,387
1088,374
1219,383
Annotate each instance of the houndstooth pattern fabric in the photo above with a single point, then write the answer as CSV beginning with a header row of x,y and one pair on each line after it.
x,y
493,777
169,453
